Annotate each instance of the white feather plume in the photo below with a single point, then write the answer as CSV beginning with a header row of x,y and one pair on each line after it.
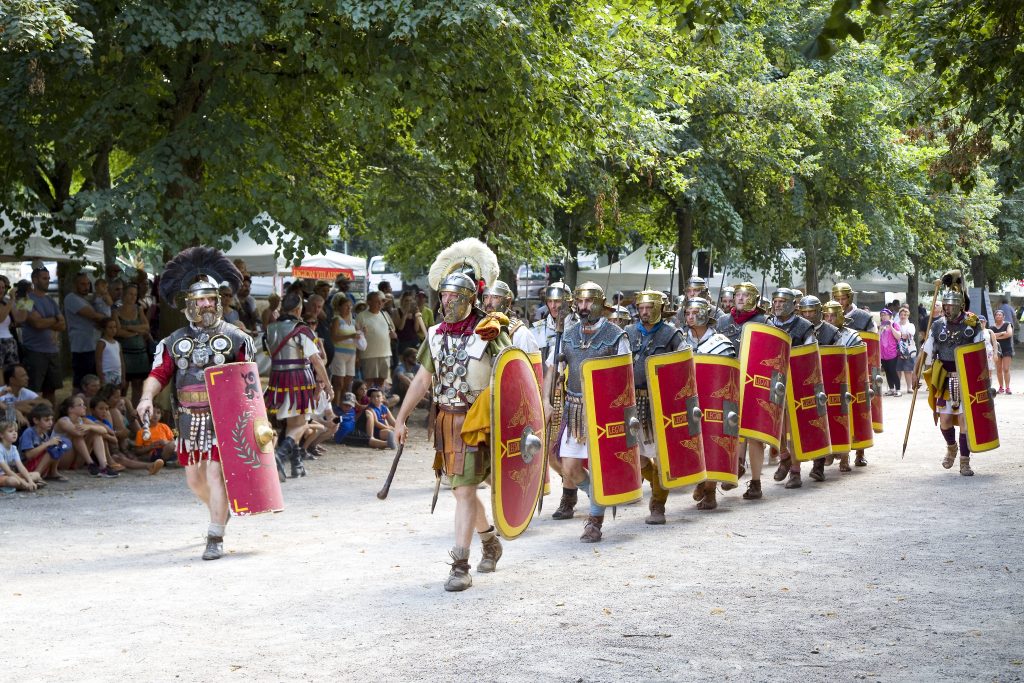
x,y
469,253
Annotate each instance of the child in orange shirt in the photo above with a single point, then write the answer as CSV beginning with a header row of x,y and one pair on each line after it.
x,y
160,444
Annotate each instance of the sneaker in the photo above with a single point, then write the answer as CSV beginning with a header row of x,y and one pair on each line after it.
x,y
94,470
107,473
1001,391
897,394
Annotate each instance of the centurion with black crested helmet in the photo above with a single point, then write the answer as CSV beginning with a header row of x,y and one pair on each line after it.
x,y
809,306
857,319
957,327
784,317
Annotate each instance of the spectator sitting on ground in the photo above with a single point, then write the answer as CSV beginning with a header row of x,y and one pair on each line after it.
x,y
159,445
42,450
380,423
12,471
346,418
89,387
407,368
123,417
17,392
86,438
322,427
99,413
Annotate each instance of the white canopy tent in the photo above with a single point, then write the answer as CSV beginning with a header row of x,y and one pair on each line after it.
x,y
628,274
39,247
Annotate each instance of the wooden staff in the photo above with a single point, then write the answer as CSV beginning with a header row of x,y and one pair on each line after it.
x,y
917,368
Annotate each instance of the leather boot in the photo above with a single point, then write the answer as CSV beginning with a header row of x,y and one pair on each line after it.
x,y
566,506
592,530
753,491
282,454
818,470
295,457
782,470
951,451
491,552
965,466
657,516
214,548
710,500
459,578
794,481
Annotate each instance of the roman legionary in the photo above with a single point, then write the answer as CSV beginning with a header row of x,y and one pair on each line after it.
x,y
834,315
800,332
726,298
297,379
650,336
957,327
181,359
746,300
704,339
558,299
826,334
457,363
697,287
858,320
593,337
620,317
498,298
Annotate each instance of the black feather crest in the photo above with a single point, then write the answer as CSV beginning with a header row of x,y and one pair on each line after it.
x,y
188,266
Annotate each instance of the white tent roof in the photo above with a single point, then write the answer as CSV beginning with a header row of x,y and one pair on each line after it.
x,y
628,274
39,247
261,258
336,260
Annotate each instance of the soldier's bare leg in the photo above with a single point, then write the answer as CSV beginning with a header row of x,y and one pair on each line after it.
x,y
755,453
206,481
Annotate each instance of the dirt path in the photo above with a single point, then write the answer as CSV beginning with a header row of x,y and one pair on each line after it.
x,y
898,571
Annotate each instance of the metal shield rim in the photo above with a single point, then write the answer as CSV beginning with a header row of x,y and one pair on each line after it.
x,y
654,396
506,356
851,351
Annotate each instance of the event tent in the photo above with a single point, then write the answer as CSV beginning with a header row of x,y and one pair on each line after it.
x,y
39,247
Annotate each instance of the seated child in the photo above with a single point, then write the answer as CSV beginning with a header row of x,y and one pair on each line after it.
x,y
347,418
160,444
12,472
100,414
43,451
380,423
86,437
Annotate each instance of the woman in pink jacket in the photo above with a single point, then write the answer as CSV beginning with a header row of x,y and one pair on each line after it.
x,y
889,345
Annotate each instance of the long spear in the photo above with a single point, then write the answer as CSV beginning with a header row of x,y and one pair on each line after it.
x,y
647,255
917,368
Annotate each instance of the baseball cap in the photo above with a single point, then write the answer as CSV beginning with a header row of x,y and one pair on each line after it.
x,y
349,399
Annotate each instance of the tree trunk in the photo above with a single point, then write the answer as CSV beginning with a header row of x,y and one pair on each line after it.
x,y
684,241
811,280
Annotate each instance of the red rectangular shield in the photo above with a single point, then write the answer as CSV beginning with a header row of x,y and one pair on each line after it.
x,y
978,406
517,441
875,377
807,404
860,389
245,438
835,378
718,393
675,417
610,408
764,364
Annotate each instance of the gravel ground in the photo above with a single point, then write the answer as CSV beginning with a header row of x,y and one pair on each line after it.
x,y
901,571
